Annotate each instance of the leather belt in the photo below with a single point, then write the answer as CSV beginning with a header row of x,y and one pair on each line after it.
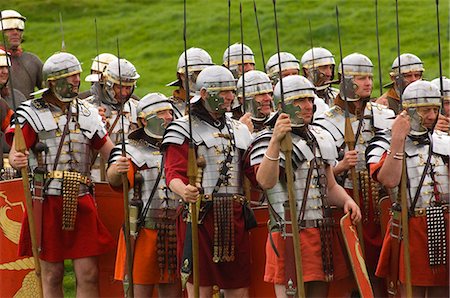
x,y
419,212
60,175
237,198
315,223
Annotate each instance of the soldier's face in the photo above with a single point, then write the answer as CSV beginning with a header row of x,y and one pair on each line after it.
x,y
14,37
447,108
165,115
265,103
428,115
306,108
3,75
122,93
228,97
364,84
289,72
247,67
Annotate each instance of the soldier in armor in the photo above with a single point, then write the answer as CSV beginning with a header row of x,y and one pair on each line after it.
x,y
26,67
426,153
110,98
60,132
318,66
153,206
198,59
99,64
220,142
365,118
315,191
258,99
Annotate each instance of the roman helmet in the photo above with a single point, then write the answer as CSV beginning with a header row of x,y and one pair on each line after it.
x,y
11,19
445,87
58,68
354,65
234,54
419,94
312,59
408,63
148,108
99,64
197,60
125,75
256,82
294,87
215,79
288,61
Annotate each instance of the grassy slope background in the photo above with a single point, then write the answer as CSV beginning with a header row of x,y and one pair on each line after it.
x,y
150,32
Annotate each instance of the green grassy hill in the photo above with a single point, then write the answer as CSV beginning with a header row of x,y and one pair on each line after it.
x,y
150,32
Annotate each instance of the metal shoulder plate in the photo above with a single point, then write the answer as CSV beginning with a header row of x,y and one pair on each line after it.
x,y
177,132
441,143
140,154
242,135
326,143
90,121
37,114
259,146
333,121
379,144
382,116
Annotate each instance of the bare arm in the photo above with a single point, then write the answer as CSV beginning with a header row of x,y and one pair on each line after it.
x,y
338,196
188,192
269,169
105,150
391,170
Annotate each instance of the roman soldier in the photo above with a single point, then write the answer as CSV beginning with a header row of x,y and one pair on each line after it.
x,y
220,141
365,118
197,60
315,189
112,98
26,67
412,142
318,66
152,207
61,132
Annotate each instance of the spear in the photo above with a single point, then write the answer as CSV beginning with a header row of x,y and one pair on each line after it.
x,y
349,136
63,44
229,32
242,58
259,35
380,78
286,148
403,181
192,170
440,57
20,146
126,201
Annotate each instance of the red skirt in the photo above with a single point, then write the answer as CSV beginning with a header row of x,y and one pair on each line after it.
x,y
311,258
422,274
145,259
89,238
227,275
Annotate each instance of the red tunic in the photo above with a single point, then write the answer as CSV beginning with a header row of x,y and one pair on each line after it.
x,y
89,238
422,274
227,275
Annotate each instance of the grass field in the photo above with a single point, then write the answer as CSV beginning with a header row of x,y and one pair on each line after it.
x,y
150,34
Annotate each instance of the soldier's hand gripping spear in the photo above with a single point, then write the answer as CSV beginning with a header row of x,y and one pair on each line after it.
x,y
128,278
286,148
349,136
20,146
